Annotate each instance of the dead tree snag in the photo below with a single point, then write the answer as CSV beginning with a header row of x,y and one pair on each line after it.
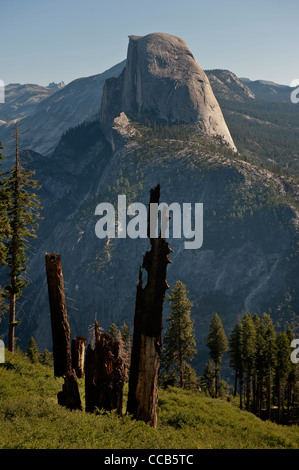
x,y
78,355
69,396
104,374
59,320
147,341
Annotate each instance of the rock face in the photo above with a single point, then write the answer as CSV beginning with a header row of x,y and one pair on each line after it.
x,y
163,81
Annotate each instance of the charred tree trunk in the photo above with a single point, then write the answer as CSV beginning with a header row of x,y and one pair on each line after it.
x,y
59,320
104,375
69,396
147,341
78,354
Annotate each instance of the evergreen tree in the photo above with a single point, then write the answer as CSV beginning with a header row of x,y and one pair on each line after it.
x,y
126,335
32,351
235,353
255,381
46,358
179,339
259,365
248,342
114,332
4,231
293,372
190,379
23,215
218,345
283,364
4,222
269,354
126,348
207,380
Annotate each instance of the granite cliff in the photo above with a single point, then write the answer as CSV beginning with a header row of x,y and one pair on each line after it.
x,y
162,81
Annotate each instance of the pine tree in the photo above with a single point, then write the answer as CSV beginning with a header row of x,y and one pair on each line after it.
x,y
23,215
248,343
32,351
207,380
113,331
179,339
127,346
218,345
283,365
4,231
126,335
293,372
235,354
269,354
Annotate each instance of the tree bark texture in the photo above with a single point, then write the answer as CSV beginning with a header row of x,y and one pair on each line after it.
x,y
104,375
78,355
147,341
59,320
69,396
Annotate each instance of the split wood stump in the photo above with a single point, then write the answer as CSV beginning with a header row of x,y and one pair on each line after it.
x,y
104,374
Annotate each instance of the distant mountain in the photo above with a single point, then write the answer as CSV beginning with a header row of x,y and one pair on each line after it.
x,y
42,128
268,90
56,86
22,100
227,85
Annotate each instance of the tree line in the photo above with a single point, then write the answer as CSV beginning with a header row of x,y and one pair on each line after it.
x,y
261,359
265,377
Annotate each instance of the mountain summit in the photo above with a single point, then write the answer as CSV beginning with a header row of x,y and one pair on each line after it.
x,y
163,81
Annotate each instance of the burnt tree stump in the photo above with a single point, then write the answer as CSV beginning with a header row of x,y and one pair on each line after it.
x,y
69,396
59,320
147,340
104,374
78,355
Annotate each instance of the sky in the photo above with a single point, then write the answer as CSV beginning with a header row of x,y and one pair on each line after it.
x,y
47,41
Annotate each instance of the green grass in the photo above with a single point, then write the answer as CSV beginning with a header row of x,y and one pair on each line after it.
x,y
30,418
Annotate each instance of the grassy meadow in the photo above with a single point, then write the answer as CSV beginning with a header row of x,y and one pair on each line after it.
x,y
30,418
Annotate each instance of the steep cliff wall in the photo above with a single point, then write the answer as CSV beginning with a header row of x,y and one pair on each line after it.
x,y
163,81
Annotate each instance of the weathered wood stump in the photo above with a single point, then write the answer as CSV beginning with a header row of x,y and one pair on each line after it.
x,y
104,374
78,355
69,396
59,320
147,341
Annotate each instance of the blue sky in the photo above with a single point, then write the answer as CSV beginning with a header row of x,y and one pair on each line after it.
x,y
53,40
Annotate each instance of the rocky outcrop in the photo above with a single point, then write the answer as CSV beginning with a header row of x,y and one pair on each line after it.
x,y
163,81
